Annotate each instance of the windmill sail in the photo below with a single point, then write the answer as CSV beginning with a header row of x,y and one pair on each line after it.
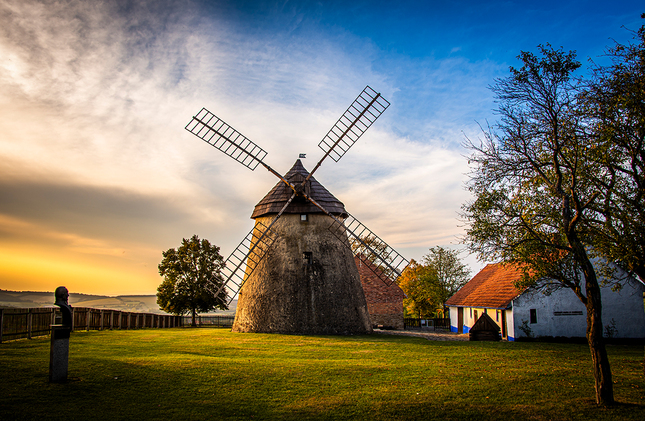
x,y
246,256
360,115
386,263
214,131
366,108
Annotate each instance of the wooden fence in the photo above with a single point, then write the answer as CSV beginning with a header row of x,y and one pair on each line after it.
x,y
17,323
410,323
210,321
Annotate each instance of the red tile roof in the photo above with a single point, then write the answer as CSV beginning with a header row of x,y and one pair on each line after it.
x,y
492,287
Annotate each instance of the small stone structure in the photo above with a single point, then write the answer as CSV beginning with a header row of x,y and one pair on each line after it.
x,y
484,329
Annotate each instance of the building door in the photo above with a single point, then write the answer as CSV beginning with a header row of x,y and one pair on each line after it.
x,y
504,330
460,319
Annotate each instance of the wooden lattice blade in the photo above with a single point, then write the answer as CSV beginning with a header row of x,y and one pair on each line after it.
x,y
248,254
245,258
360,115
214,131
386,263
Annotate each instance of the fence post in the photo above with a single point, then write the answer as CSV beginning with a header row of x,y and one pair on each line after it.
x,y
29,318
1,323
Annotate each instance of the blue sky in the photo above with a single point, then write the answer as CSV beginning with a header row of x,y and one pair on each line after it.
x,y
99,175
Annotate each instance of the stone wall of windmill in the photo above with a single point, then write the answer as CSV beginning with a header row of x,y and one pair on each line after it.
x,y
307,283
384,303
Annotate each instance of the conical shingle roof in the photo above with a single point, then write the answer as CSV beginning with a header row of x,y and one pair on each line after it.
x,y
280,194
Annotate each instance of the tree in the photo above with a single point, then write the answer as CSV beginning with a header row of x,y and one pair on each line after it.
x,y
419,283
533,194
191,278
451,273
429,285
615,106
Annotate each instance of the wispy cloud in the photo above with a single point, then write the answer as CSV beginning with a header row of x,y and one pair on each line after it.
x,y
94,97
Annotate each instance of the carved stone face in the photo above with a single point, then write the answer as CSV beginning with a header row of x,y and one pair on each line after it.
x,y
61,295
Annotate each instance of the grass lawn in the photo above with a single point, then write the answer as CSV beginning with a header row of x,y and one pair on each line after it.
x,y
200,374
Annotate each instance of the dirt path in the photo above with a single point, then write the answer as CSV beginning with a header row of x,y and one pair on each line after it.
x,y
430,335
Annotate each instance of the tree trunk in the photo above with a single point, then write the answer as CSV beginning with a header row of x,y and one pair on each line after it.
x,y
601,368
193,323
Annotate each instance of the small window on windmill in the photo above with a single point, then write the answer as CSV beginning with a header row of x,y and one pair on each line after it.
x,y
308,258
303,217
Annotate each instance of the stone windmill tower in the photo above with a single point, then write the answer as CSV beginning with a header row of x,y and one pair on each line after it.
x,y
295,270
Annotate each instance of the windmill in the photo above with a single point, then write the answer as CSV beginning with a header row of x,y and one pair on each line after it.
x,y
297,265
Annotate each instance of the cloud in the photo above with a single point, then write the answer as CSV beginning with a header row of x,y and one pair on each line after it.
x,y
94,97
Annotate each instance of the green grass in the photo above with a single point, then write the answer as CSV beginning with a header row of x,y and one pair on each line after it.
x,y
199,374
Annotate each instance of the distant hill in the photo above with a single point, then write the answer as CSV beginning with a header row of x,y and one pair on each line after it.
x,y
136,303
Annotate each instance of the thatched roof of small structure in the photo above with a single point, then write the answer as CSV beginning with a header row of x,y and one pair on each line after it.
x,y
280,194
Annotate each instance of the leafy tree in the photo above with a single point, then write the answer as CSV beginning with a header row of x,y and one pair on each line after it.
x,y
191,278
615,106
451,273
419,283
429,285
533,194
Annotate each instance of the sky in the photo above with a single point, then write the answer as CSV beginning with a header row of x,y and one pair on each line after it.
x,y
98,175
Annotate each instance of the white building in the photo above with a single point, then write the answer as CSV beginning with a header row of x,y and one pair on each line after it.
x,y
521,313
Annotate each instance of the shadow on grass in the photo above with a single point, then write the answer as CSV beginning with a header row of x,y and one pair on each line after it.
x,y
184,374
